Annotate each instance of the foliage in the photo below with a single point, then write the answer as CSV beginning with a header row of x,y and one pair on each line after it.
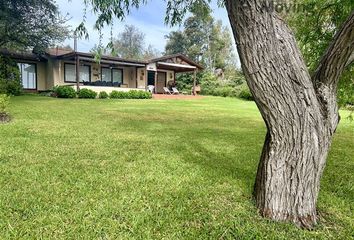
x,y
30,24
4,103
10,82
176,43
210,84
103,95
186,163
314,30
129,43
204,40
132,94
87,93
246,94
65,92
151,52
346,89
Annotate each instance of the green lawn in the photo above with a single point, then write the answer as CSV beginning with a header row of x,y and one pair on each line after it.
x,y
150,169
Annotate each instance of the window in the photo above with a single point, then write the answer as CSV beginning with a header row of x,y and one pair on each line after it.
x,y
117,76
106,75
28,75
114,76
70,73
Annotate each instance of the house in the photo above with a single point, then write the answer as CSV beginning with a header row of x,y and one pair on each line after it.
x,y
58,67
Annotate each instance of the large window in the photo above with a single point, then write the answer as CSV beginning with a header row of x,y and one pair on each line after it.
x,y
112,75
70,73
28,75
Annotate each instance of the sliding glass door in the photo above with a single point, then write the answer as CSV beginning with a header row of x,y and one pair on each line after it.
x,y
28,75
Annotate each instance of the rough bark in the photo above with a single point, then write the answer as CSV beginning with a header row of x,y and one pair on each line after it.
x,y
299,130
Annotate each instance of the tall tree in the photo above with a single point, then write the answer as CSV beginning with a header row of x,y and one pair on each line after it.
x,y
203,39
30,24
130,43
176,43
300,111
151,52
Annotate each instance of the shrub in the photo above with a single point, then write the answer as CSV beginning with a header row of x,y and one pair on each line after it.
x,y
10,82
87,93
132,94
118,94
103,95
135,94
4,103
64,92
246,94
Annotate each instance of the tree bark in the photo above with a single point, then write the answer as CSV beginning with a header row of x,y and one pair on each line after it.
x,y
299,130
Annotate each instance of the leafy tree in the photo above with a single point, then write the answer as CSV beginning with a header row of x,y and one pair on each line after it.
x,y
30,24
150,52
176,43
314,29
300,111
130,43
10,82
203,40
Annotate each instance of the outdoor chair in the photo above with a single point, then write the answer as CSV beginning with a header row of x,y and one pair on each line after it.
x,y
166,90
151,88
175,91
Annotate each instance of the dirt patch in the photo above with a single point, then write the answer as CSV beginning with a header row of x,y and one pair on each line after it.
x,y
165,96
4,118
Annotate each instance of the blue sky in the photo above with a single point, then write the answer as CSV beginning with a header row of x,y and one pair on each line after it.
x,y
148,18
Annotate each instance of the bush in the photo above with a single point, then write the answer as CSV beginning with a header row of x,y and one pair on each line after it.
x,y
135,94
10,82
246,94
64,92
87,93
118,94
103,95
4,103
132,94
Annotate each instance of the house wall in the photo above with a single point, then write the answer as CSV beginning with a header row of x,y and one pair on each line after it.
x,y
129,76
41,76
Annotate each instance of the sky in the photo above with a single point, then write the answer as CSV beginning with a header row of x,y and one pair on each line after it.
x,y
148,18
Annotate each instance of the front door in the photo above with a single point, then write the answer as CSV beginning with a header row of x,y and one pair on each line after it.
x,y
161,82
151,78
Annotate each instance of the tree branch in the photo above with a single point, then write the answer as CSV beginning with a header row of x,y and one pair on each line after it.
x,y
338,55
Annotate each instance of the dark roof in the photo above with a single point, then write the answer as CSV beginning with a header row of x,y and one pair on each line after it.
x,y
61,53
104,57
179,55
22,55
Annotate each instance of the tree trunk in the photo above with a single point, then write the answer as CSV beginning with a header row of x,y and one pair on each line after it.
x,y
299,131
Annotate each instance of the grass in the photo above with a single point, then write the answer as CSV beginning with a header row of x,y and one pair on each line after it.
x,y
150,169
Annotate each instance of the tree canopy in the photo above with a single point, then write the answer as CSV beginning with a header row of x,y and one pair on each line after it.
x,y
31,24
129,43
314,30
204,40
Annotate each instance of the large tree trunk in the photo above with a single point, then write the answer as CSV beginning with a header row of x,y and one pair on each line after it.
x,y
300,113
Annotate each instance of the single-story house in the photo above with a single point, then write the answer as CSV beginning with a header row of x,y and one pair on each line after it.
x,y
58,67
